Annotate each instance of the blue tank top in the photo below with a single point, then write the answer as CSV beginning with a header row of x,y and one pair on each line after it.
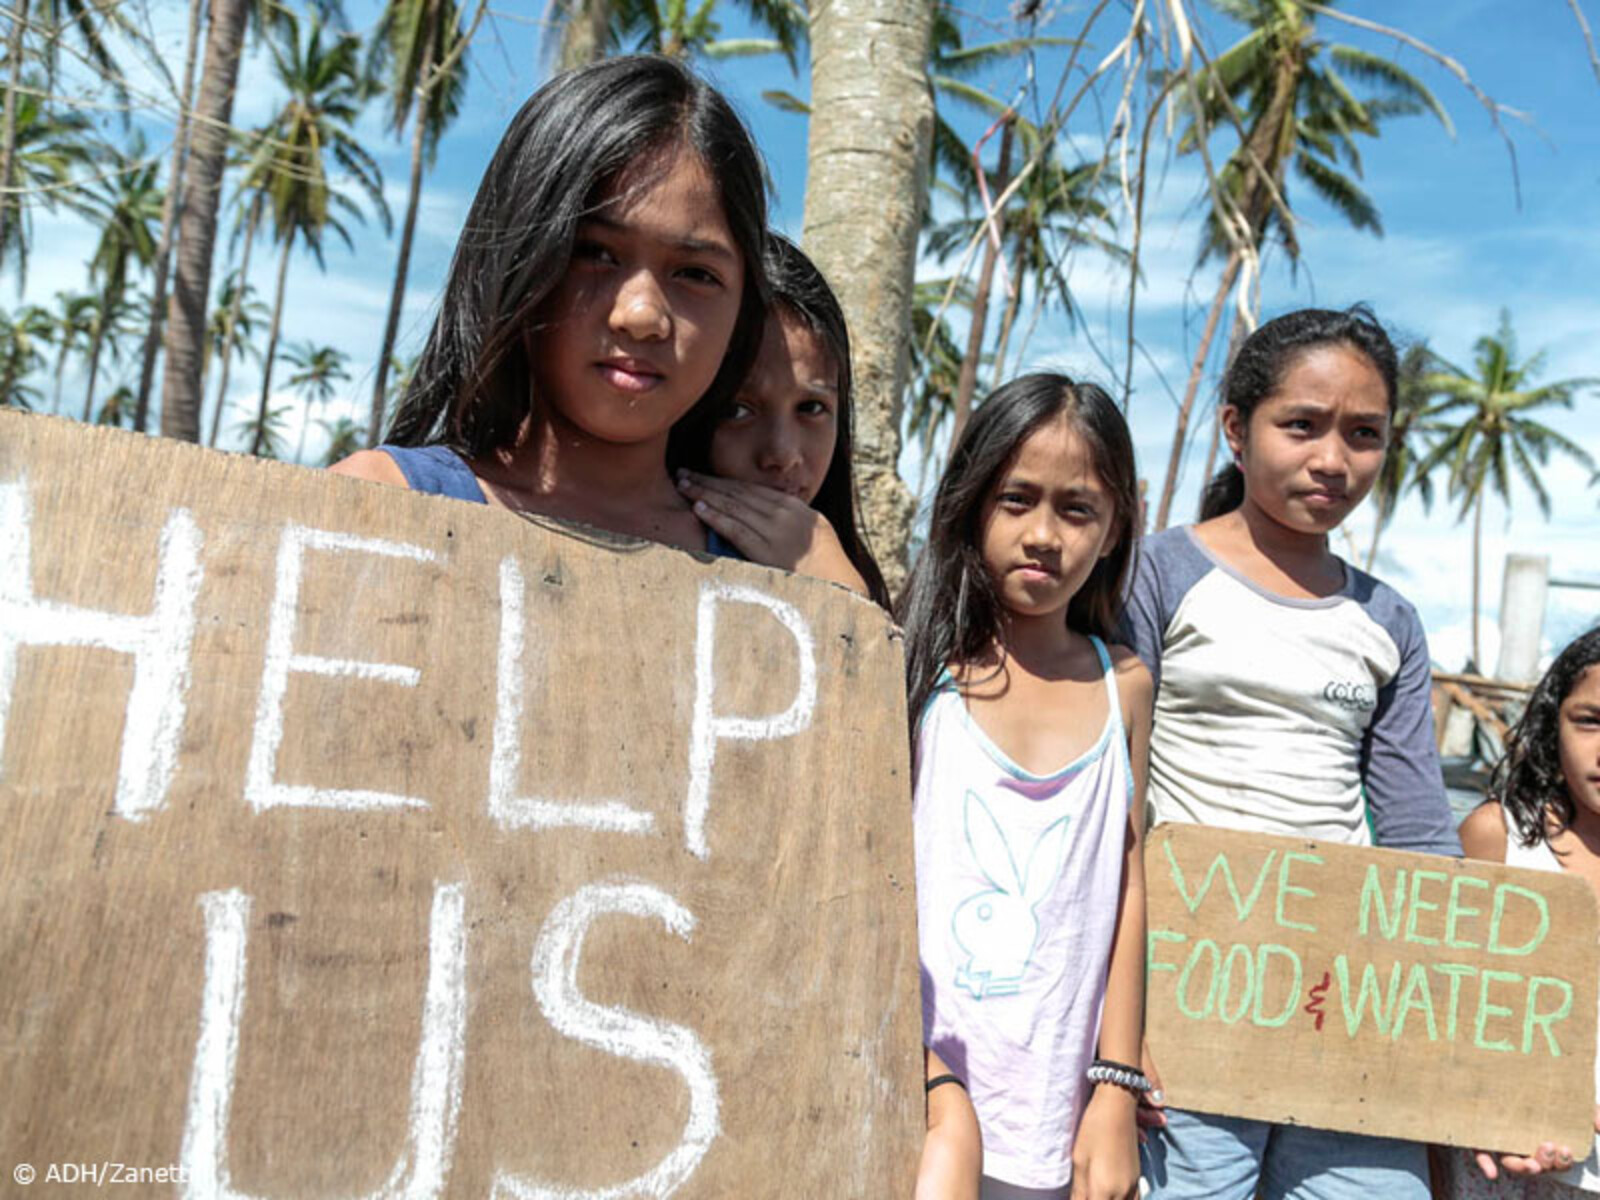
x,y
440,471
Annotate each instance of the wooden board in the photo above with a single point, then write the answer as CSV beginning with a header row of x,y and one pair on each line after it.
x,y
359,842
1372,991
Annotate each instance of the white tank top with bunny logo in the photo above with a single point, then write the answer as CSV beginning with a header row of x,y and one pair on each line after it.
x,y
1018,877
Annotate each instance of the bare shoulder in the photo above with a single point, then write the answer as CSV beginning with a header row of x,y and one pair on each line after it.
x,y
372,465
1483,833
1133,684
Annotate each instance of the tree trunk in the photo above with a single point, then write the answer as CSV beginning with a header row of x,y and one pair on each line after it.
x,y
1019,263
169,215
583,38
197,230
8,123
391,328
1234,339
967,380
1477,552
96,342
1196,371
232,321
867,162
272,348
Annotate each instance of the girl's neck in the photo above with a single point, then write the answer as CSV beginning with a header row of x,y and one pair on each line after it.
x,y
1280,560
555,469
1280,543
1036,643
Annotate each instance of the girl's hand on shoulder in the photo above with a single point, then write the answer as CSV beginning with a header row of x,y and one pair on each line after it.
x,y
771,527
1105,1155
1548,1157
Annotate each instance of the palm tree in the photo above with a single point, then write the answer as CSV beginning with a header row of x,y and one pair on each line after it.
x,y
22,341
866,183
45,148
290,165
589,29
345,437
129,201
1495,433
1287,90
318,369
936,362
181,389
112,317
74,323
423,42
1407,427
234,321
264,431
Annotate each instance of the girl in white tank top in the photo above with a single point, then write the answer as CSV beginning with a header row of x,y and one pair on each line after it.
x,y
1030,743
1544,813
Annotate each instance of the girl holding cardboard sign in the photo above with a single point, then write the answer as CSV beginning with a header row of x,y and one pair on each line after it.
x,y
1292,693
1030,738
1546,791
609,280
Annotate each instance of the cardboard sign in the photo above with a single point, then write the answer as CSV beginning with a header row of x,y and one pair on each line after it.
x,y
362,843
1372,991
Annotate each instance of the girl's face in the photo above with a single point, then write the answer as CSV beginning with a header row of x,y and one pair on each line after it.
x,y
783,426
1313,448
1047,521
636,330
1580,742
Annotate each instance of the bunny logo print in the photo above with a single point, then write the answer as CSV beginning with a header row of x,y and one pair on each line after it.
x,y
997,928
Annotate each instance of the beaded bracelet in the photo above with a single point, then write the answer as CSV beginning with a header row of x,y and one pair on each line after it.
x,y
1105,1070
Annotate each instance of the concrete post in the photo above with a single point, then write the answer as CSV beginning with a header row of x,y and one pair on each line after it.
x,y
1522,604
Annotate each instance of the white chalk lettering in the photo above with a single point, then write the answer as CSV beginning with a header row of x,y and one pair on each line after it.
x,y
509,810
709,727
620,1032
423,1165
159,642
261,787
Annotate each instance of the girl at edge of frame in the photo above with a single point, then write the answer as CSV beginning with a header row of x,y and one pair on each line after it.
x,y
1543,813
1030,738
770,472
609,279
1249,609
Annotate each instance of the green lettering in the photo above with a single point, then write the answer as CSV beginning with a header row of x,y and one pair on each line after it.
x,y
1458,910
1242,904
1418,878
1372,898
1532,944
1457,972
1416,995
1545,1020
1183,980
1240,953
1487,1010
1382,1010
1285,887
1263,953
1157,936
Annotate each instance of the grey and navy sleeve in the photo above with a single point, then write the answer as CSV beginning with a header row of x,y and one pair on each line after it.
x,y
1144,622
1399,756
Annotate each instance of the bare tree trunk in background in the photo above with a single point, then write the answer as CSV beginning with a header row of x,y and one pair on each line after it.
x,y
272,348
1234,339
1019,264
231,322
169,216
967,381
391,328
583,37
867,162
1196,372
8,131
197,228
1477,555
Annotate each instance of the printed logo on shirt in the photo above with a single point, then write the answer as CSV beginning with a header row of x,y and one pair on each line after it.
x,y
997,927
1362,697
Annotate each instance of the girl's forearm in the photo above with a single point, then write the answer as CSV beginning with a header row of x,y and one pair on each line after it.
x,y
1122,1020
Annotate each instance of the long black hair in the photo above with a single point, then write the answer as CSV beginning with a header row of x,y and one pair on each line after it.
x,y
802,290
1528,780
566,146
1263,358
951,609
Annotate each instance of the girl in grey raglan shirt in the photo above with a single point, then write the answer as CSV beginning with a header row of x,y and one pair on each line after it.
x,y
1292,693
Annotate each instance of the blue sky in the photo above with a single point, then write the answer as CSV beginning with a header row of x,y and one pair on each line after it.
x,y
1458,247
